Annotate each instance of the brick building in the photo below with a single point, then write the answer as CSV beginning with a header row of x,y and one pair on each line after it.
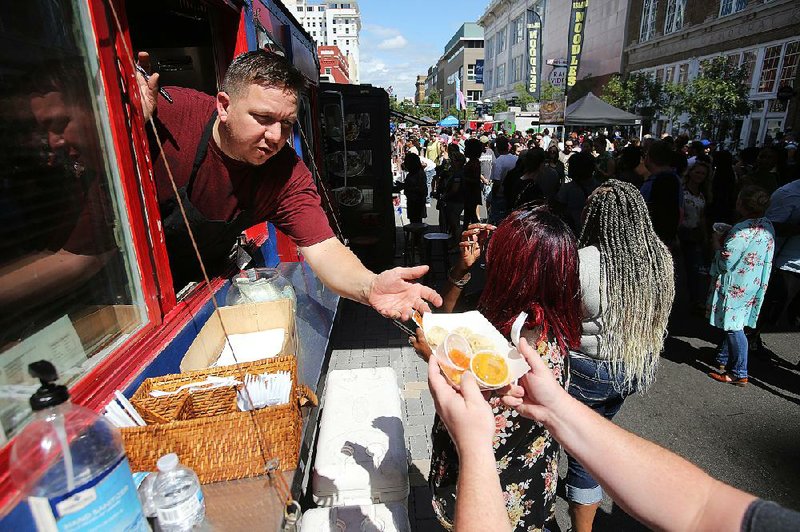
x,y
419,92
669,39
333,65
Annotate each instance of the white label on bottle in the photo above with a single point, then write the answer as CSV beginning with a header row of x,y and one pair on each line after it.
x,y
181,512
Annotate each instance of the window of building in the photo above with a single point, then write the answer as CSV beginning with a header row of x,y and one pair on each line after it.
x,y
518,30
347,30
471,72
749,63
309,8
71,285
674,22
769,69
648,28
501,40
327,70
516,69
789,68
669,74
728,7
660,74
488,49
487,78
500,75
347,42
683,73
474,96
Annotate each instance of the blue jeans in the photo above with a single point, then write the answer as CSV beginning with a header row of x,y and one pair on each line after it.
x,y
498,210
591,383
732,353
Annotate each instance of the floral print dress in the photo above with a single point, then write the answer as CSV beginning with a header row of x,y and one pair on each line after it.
x,y
527,459
740,274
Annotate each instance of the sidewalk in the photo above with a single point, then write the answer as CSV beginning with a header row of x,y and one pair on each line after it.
x,y
364,339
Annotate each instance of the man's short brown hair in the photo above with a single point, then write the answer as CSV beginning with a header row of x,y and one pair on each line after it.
x,y
263,68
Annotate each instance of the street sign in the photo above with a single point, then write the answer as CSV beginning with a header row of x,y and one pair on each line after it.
x,y
558,76
435,105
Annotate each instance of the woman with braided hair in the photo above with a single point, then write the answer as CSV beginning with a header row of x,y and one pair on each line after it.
x,y
627,287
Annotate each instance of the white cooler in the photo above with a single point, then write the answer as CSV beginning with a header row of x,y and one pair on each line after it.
x,y
361,451
392,517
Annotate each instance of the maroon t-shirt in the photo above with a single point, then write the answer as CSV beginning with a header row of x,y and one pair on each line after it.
x,y
280,191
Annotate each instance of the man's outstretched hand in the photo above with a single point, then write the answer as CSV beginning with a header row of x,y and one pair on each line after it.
x,y
394,296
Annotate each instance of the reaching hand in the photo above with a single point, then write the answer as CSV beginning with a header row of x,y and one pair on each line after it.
x,y
421,345
473,243
465,413
148,88
394,296
540,391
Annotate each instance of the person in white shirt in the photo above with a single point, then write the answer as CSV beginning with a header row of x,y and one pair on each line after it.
x,y
502,165
545,139
487,163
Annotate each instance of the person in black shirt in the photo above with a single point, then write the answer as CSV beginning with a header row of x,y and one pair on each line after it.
x,y
663,192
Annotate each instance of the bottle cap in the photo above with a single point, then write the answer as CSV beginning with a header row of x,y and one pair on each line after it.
x,y
168,462
49,394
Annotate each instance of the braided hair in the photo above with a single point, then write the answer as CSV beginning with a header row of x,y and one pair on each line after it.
x,y
636,279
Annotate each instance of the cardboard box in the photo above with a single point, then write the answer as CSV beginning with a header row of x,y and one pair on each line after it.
x,y
240,319
98,326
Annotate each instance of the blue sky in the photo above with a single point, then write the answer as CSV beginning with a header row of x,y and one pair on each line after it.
x,y
402,38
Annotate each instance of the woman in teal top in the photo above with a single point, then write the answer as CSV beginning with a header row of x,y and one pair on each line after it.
x,y
740,273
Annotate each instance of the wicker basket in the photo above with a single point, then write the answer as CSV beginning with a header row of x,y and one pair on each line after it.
x,y
209,433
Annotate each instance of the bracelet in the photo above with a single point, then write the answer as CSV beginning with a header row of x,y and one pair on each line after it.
x,y
460,283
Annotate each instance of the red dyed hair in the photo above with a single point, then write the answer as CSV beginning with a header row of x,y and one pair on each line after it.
x,y
532,266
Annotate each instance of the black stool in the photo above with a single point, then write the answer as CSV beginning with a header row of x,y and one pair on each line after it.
x,y
443,239
411,241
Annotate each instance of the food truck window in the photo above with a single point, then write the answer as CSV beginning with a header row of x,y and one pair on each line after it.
x,y
70,285
186,40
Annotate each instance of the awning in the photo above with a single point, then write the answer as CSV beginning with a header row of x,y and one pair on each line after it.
x,y
592,111
405,117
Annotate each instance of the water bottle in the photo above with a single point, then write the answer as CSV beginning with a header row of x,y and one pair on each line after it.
x,y
177,496
70,464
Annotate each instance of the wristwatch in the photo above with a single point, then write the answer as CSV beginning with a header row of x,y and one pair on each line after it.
x,y
460,283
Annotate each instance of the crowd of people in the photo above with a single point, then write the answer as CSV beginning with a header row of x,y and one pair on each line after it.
x,y
590,237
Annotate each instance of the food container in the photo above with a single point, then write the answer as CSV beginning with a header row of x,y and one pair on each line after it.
x,y
481,337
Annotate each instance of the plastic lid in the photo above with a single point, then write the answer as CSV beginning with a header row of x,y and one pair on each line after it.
x,y
168,462
49,394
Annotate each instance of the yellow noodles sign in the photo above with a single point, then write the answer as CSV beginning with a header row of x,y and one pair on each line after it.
x,y
577,26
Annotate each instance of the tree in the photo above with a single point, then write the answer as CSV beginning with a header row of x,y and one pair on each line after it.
x,y
637,93
717,96
500,106
433,97
674,101
523,96
550,92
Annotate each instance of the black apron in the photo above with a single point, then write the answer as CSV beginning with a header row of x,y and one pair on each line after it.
x,y
215,238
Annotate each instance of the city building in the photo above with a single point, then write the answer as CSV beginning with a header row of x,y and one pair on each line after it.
x,y
670,39
333,65
419,92
332,23
460,61
505,35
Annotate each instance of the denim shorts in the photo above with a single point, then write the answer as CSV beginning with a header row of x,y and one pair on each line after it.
x,y
593,384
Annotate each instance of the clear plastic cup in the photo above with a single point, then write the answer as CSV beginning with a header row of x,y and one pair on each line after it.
x,y
457,351
495,363
452,373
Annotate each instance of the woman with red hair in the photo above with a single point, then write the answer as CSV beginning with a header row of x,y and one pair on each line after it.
x,y
532,267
